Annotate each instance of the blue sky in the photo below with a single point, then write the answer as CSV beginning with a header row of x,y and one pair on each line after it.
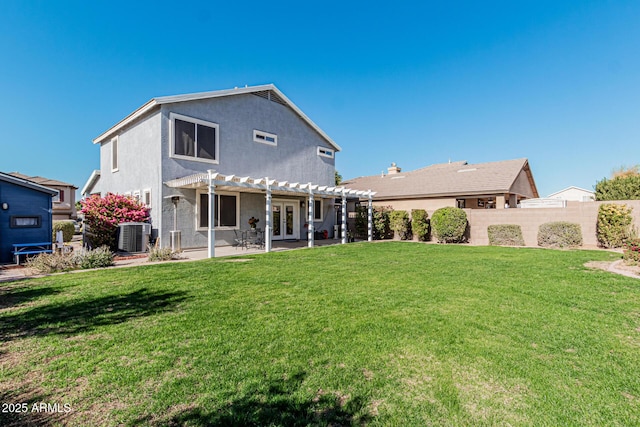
x,y
416,83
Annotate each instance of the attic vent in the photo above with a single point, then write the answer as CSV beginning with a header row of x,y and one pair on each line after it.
x,y
262,94
467,170
271,96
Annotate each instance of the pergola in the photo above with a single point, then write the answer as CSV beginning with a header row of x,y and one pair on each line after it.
x,y
214,180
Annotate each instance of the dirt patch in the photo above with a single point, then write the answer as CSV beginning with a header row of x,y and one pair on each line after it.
x,y
238,260
618,267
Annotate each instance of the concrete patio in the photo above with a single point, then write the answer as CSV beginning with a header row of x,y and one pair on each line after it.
x,y
10,272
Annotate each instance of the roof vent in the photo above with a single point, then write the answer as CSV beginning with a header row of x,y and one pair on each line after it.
x,y
394,169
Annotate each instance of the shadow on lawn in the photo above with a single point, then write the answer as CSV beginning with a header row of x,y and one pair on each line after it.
x,y
275,404
20,410
68,318
13,296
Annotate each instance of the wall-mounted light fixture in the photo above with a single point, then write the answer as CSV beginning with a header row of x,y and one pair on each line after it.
x,y
5,206
302,204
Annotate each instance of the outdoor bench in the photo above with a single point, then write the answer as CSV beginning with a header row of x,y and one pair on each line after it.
x,y
30,249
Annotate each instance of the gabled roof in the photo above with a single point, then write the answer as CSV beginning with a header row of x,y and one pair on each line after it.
x,y
570,188
447,179
42,181
268,91
27,184
91,182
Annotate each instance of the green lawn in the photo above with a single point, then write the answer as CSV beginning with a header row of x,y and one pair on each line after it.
x,y
397,334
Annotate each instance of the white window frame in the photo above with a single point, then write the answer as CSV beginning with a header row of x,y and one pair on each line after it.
x,y
146,197
261,137
326,152
317,217
172,120
217,193
136,195
115,159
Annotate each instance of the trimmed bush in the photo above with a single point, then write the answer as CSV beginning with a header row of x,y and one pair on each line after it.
x,y
614,225
400,224
381,228
559,234
505,235
420,224
67,228
449,225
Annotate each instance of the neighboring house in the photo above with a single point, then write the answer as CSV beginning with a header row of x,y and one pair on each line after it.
x,y
261,154
25,213
475,186
64,204
574,194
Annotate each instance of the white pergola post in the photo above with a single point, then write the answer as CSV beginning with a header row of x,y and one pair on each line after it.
x,y
370,218
310,218
268,226
344,217
211,244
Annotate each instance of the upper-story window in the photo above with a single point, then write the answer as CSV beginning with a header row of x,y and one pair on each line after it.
x,y
325,152
194,139
265,137
114,154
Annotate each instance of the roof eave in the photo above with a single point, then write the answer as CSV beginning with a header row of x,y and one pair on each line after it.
x,y
127,120
211,94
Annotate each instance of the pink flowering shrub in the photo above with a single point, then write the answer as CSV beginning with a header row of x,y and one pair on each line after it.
x,y
103,214
631,253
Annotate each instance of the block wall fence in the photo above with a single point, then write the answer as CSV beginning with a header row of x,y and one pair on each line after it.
x,y
583,213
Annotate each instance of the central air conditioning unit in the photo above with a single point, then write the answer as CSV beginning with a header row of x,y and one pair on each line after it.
x,y
133,236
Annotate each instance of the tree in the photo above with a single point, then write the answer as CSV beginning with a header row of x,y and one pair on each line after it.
x,y
338,178
622,187
625,172
103,214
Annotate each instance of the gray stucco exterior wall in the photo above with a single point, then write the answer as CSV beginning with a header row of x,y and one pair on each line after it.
x,y
294,159
145,162
139,164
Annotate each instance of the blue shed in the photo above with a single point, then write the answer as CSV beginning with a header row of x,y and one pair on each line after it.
x,y
25,214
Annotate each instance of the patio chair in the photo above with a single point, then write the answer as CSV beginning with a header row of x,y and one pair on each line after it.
x,y
239,239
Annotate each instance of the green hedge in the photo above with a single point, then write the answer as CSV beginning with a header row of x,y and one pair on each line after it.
x,y
505,235
400,224
449,225
420,224
381,228
67,228
614,225
559,235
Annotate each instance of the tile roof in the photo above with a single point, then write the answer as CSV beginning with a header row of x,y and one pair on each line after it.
x,y
42,181
447,179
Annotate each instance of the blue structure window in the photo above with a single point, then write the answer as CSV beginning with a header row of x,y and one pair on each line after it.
x,y
26,221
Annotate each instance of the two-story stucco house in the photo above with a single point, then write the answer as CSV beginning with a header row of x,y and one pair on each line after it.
x,y
210,161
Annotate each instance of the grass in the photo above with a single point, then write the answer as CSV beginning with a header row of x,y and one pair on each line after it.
x,y
361,334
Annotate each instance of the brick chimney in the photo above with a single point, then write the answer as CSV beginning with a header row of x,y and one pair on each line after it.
x,y
393,169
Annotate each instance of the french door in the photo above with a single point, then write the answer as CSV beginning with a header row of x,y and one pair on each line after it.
x,y
285,218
